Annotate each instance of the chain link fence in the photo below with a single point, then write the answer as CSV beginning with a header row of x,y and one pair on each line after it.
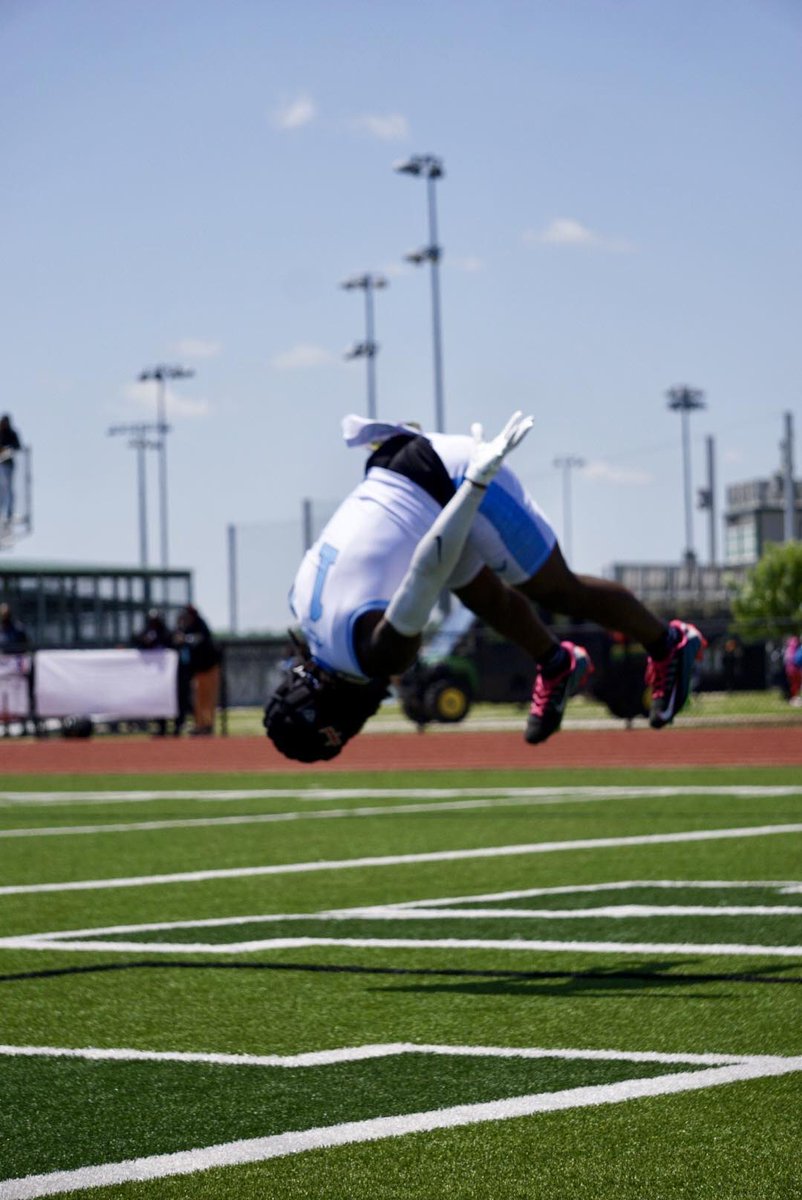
x,y
263,557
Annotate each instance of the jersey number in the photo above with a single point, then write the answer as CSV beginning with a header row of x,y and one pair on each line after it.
x,y
327,559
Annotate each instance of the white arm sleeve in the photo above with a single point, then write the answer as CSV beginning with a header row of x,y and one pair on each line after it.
x,y
435,557
438,551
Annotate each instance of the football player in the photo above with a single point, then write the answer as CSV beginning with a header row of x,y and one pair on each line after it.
x,y
440,511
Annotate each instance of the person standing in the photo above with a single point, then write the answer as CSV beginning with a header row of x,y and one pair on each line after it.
x,y
9,445
13,634
199,666
155,635
792,661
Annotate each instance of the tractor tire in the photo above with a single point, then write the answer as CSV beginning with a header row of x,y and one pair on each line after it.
x,y
447,701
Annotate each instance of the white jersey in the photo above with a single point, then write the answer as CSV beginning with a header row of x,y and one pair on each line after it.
x,y
364,552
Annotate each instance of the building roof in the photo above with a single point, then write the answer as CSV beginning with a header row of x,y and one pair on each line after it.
x,y
33,567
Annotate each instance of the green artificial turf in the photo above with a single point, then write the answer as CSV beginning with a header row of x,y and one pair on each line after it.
x,y
729,1141
63,1113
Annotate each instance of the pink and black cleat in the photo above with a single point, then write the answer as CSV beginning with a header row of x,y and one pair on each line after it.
x,y
670,677
550,696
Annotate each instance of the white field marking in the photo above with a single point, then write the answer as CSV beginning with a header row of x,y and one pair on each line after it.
x,y
346,1054
783,887
250,1150
398,912
490,798
315,1058
392,860
614,912
709,949
199,923
76,939
10,799
381,810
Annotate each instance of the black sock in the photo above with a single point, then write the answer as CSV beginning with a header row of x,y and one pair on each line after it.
x,y
555,662
661,648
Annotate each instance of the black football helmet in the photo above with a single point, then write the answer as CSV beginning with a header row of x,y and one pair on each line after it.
x,y
312,714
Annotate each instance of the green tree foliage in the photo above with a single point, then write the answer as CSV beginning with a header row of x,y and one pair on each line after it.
x,y
769,604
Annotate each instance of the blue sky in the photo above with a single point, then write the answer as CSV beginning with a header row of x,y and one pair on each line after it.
x,y
188,181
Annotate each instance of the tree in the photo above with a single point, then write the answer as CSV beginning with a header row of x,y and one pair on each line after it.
x,y
769,605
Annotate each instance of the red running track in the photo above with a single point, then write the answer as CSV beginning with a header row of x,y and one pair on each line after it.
x,y
743,745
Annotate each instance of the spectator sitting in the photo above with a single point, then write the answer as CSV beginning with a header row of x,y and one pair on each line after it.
x,y
199,667
13,634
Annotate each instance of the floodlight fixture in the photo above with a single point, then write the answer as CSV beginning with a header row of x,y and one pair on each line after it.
x,y
685,399
427,165
364,282
423,255
360,350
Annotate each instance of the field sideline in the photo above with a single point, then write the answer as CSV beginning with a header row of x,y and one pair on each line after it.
x,y
488,983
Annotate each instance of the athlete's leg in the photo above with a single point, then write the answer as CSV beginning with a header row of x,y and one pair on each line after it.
x,y
509,613
672,648
555,587
562,668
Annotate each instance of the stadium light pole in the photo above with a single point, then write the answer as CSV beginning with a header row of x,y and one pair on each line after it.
x,y
685,400
138,440
368,349
706,497
566,464
430,168
160,375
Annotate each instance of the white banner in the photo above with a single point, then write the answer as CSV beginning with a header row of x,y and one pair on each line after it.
x,y
14,693
126,684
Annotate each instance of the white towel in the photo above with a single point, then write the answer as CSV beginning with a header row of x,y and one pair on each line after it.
x,y
361,431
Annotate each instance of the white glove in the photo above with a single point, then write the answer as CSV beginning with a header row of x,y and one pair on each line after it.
x,y
487,457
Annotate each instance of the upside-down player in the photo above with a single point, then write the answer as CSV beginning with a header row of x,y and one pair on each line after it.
x,y
442,511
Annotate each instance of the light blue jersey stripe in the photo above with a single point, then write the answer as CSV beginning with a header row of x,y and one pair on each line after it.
x,y
515,526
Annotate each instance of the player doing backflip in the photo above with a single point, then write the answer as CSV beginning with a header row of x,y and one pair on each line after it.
x,y
440,511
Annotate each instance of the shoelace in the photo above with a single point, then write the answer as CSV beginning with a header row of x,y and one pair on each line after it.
x,y
548,692
660,675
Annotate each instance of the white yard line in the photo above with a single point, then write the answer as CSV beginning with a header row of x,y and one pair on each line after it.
x,y
708,949
611,912
782,886
10,799
252,1150
97,937
346,1054
390,860
374,810
382,810
413,910
315,1058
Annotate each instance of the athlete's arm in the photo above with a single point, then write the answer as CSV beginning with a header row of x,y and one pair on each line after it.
x,y
390,643
380,649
